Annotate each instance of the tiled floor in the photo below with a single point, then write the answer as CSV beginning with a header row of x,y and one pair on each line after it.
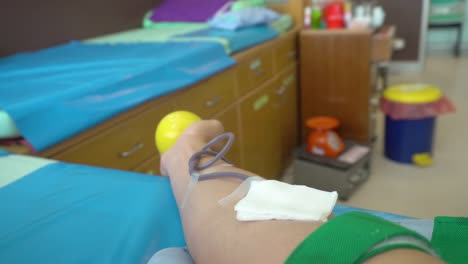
x,y
441,189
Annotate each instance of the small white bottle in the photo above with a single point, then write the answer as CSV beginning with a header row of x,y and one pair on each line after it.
x,y
307,17
378,17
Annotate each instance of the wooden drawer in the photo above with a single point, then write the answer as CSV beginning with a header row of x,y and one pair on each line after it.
x,y
210,97
287,103
123,146
150,166
260,131
254,71
285,53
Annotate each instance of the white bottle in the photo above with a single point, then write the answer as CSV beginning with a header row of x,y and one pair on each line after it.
x,y
307,17
362,17
378,17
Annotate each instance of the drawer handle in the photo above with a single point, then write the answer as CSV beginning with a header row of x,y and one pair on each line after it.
x,y
213,101
132,151
259,73
255,64
292,54
281,91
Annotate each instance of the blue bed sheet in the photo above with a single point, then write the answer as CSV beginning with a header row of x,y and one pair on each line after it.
x,y
56,93
238,39
341,209
65,213
3,153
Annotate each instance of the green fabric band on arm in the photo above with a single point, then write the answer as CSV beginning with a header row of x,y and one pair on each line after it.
x,y
354,238
450,239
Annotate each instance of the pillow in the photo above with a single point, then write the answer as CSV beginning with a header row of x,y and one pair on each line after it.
x,y
243,18
187,10
148,23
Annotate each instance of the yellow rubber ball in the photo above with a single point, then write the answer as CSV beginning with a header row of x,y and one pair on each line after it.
x,y
170,128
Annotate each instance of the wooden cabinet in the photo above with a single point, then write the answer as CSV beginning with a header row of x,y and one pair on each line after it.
x,y
336,79
151,166
286,53
260,132
254,71
123,146
286,102
210,96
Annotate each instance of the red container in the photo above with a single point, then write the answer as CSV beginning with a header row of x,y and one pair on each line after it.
x,y
334,15
323,141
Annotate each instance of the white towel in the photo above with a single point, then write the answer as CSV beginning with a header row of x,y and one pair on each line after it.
x,y
269,200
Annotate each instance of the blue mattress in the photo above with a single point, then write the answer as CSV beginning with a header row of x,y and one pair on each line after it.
x,y
56,93
64,213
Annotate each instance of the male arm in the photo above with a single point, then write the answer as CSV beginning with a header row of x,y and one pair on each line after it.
x,y
213,234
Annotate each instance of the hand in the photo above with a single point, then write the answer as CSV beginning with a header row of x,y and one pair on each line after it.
x,y
190,141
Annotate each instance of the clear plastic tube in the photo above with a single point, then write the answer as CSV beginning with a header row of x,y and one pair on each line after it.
x,y
195,167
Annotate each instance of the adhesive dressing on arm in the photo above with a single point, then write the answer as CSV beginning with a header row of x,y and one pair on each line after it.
x,y
260,199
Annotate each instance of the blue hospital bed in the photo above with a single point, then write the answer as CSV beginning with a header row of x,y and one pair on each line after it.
x,y
56,93
96,80
65,213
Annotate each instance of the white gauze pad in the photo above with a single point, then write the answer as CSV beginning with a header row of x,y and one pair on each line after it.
x,y
274,200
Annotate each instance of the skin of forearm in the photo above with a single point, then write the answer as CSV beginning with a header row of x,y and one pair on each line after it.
x,y
212,232
214,235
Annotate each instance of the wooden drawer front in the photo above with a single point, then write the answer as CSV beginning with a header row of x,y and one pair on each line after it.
x,y
287,101
123,146
253,72
285,54
150,166
210,97
261,137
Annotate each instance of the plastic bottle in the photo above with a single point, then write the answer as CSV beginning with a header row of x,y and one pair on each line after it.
x,y
378,16
334,14
348,12
307,17
316,14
